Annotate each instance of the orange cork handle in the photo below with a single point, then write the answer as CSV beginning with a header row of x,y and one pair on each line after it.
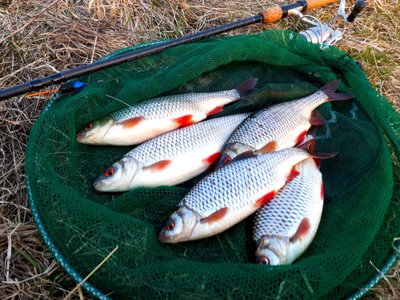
x,y
272,14
275,13
318,3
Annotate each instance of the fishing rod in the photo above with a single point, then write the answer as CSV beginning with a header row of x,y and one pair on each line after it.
x,y
270,15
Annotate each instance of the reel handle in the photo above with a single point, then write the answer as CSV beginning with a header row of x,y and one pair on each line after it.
x,y
358,7
275,13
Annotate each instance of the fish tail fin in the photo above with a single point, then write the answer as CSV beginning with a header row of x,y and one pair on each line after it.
x,y
246,87
330,88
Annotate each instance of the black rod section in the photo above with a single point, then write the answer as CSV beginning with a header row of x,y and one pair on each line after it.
x,y
99,65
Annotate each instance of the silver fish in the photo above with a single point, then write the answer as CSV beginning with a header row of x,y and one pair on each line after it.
x,y
281,126
230,194
151,118
171,158
286,226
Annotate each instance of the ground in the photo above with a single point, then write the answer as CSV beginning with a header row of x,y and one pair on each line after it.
x,y
41,37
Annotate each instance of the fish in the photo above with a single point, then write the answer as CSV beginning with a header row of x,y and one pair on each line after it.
x,y
150,118
171,158
285,226
230,194
280,126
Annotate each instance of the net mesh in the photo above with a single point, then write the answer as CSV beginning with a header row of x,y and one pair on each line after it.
x,y
361,213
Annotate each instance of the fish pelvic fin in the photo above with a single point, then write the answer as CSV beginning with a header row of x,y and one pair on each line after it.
x,y
269,147
309,146
330,88
246,87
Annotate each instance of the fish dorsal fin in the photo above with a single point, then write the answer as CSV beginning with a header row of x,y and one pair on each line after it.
x,y
215,216
302,231
269,147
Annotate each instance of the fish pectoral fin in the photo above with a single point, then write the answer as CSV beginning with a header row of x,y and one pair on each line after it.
x,y
184,121
302,231
269,147
293,174
316,118
215,216
132,122
158,166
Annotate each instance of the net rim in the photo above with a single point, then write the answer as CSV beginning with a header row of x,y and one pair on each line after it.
x,y
100,295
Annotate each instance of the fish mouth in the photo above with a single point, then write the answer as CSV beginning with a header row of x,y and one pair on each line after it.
x,y
163,238
99,186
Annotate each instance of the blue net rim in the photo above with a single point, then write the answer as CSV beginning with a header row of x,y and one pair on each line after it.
x,y
98,294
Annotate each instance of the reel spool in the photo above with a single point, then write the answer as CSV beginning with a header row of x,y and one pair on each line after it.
x,y
331,33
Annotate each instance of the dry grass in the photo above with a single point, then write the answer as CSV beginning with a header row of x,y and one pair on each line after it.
x,y
40,37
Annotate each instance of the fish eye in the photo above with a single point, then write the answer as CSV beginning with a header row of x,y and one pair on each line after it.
x,y
169,225
109,172
262,260
88,126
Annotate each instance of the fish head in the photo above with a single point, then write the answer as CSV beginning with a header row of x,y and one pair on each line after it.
x,y
231,151
179,226
94,132
272,250
119,176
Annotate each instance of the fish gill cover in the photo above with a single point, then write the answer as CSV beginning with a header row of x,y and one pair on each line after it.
x,y
361,211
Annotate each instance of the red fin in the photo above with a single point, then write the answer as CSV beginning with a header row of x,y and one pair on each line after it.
x,y
308,145
212,158
215,216
318,162
302,230
264,199
300,137
158,166
316,119
270,147
322,191
293,174
129,123
184,121
215,111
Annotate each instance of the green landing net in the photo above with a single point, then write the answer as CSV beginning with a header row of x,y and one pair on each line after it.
x,y
361,214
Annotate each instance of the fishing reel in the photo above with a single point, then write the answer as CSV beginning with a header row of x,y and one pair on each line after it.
x,y
331,33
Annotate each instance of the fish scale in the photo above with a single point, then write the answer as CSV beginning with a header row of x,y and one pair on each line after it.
x,y
154,117
300,198
185,141
172,106
278,122
171,158
240,184
280,126
229,195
